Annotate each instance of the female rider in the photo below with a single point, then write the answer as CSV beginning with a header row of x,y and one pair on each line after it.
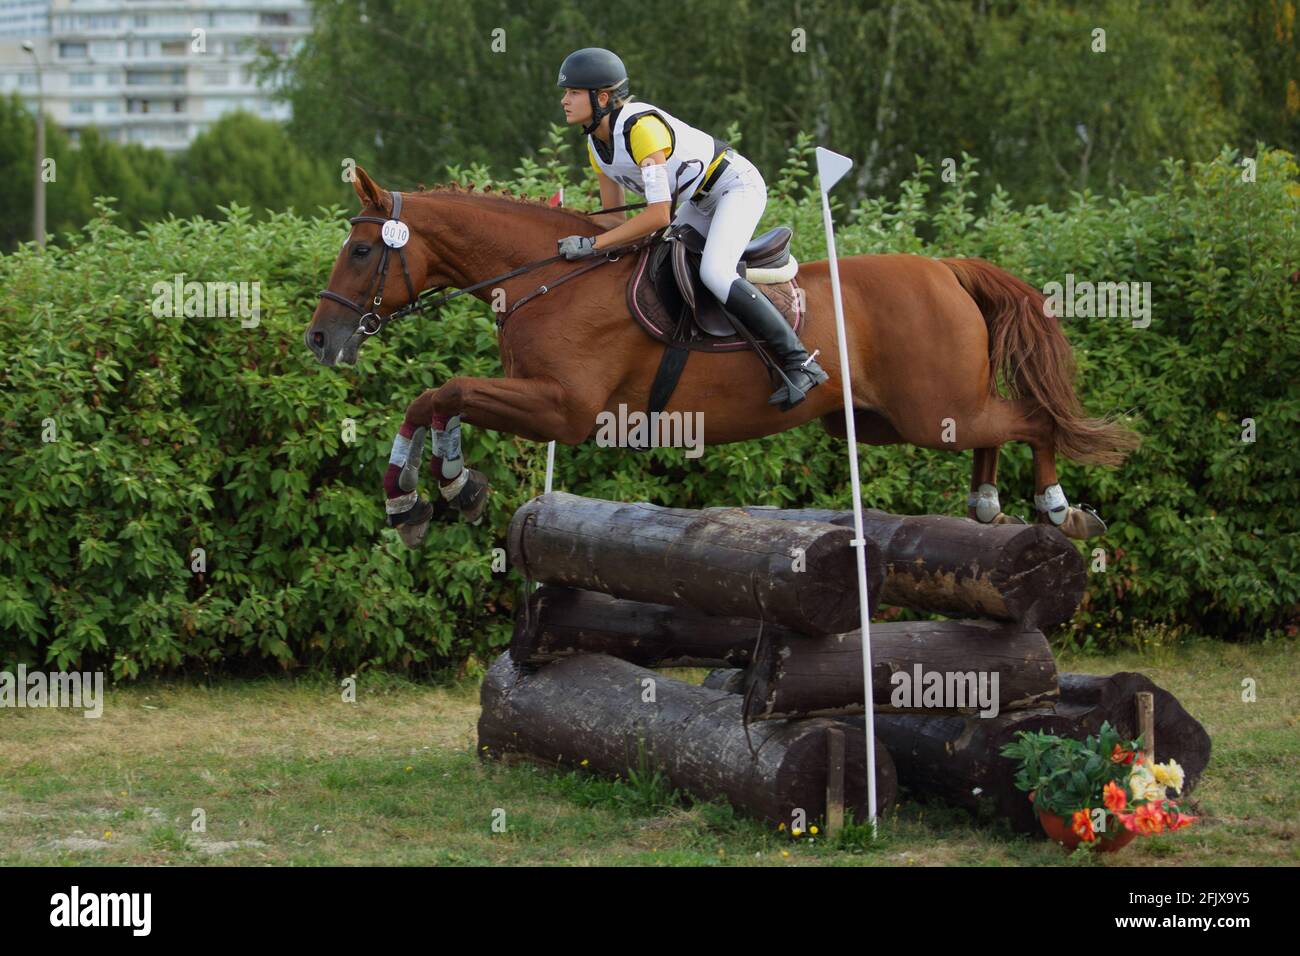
x,y
646,149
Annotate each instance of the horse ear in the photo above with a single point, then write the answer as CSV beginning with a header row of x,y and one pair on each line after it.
x,y
367,190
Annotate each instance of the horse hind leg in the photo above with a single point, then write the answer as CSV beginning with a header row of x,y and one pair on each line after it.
x,y
1050,504
1024,420
873,428
983,504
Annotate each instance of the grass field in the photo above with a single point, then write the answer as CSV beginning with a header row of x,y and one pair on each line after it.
x,y
286,773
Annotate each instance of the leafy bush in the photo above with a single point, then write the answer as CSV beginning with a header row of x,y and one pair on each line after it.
x,y
174,434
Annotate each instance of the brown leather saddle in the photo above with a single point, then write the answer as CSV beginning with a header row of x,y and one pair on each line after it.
x,y
668,300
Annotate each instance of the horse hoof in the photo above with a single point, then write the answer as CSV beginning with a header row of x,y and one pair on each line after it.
x,y
1000,518
416,526
1081,523
472,498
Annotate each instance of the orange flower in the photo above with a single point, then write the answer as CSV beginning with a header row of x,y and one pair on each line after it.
x,y
1114,797
1175,819
1150,818
1082,825
1127,820
1121,756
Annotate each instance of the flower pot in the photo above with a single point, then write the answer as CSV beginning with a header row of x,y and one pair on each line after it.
x,y
1058,831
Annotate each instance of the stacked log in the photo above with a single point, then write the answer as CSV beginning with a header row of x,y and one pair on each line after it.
x,y
615,715
797,676
791,674
1030,574
556,623
800,574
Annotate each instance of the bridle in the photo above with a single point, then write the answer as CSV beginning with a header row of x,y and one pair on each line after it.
x,y
428,300
371,321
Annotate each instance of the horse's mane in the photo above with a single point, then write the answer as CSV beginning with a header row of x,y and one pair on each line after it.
x,y
499,196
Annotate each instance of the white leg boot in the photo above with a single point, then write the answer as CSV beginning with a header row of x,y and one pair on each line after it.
x,y
1078,523
985,508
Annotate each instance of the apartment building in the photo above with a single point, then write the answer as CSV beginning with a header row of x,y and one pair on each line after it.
x,y
24,18
154,72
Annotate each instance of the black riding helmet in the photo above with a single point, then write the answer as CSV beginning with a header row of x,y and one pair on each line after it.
x,y
594,69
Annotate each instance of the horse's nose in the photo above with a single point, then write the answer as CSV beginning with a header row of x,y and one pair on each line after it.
x,y
316,342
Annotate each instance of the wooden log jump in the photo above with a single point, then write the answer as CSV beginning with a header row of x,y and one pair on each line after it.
x,y
772,595
1030,574
592,707
800,574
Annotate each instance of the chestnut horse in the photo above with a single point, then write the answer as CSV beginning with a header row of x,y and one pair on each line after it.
x,y
928,339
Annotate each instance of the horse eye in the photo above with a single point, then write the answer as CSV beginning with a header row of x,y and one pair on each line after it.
x,y
360,250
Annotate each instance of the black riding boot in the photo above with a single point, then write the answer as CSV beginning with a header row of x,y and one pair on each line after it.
x,y
763,320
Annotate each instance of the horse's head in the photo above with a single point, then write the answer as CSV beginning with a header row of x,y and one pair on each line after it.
x,y
382,267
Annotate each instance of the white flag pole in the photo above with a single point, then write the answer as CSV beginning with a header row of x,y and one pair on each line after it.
x,y
550,465
550,449
831,167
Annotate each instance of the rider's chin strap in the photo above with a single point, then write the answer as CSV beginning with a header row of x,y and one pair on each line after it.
x,y
598,113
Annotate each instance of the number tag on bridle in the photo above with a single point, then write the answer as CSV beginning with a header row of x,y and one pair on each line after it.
x,y
395,233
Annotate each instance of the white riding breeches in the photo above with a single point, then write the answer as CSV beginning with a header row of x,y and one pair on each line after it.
x,y
727,218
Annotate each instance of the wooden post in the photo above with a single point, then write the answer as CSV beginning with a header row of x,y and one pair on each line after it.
x,y
1146,718
834,781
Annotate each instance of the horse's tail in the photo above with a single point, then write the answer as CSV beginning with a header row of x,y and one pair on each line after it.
x,y
1030,353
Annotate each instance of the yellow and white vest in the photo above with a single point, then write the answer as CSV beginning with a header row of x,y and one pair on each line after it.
x,y
640,129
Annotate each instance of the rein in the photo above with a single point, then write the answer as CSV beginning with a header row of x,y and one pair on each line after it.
x,y
371,322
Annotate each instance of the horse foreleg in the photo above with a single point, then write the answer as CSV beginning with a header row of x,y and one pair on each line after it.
x,y
535,409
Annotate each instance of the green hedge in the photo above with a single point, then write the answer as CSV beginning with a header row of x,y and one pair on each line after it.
x,y
175,434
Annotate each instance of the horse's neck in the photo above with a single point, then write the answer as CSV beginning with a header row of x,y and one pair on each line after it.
x,y
476,238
